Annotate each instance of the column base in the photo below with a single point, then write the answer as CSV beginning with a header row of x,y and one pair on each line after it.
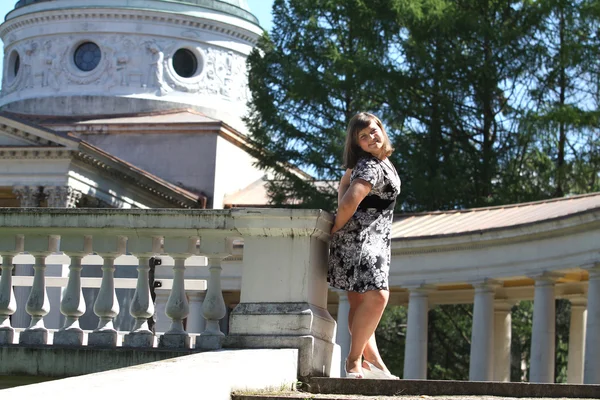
x,y
174,341
139,339
209,342
316,357
34,337
106,338
7,335
68,337
282,319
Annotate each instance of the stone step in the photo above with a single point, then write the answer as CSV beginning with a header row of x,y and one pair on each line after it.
x,y
373,387
310,396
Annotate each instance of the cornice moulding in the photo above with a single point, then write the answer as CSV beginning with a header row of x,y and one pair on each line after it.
x,y
27,153
146,16
578,222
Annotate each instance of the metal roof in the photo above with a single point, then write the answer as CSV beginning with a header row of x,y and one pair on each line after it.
x,y
448,223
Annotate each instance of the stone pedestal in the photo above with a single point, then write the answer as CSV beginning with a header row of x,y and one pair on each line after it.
x,y
107,338
34,337
209,342
7,336
174,341
68,337
289,309
138,339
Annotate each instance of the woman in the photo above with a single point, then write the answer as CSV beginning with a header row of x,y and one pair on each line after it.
x,y
359,257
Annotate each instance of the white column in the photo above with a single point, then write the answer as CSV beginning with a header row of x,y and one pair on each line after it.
x,y
591,369
72,306
195,321
106,307
214,308
342,337
576,341
502,339
482,334
141,308
415,354
177,309
543,330
8,305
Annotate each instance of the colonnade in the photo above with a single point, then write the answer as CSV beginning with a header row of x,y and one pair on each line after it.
x,y
491,332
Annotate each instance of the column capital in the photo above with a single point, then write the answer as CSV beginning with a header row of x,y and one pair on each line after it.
x,y
503,305
593,269
577,300
28,196
545,278
418,287
485,284
61,196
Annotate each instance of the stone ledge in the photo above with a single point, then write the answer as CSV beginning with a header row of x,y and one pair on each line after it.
x,y
373,387
210,375
62,361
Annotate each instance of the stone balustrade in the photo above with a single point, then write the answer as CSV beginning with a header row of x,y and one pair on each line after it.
x,y
284,290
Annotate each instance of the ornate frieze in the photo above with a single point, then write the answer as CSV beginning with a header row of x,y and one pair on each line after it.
x,y
129,64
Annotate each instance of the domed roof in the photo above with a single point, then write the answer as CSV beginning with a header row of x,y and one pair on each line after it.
x,y
239,8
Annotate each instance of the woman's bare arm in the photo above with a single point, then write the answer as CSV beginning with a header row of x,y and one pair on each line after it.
x,y
344,184
357,191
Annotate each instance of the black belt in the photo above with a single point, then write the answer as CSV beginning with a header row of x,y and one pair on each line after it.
x,y
377,203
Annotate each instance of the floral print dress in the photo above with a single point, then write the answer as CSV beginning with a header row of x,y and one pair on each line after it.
x,y
360,252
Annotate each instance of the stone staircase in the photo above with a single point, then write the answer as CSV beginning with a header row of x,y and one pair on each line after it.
x,y
364,389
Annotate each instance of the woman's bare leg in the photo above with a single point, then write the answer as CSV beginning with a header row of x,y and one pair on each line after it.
x,y
371,352
365,312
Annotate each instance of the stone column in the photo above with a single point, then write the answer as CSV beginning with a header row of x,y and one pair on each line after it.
x,y
543,330
502,340
415,353
482,333
61,196
28,196
591,368
576,340
342,337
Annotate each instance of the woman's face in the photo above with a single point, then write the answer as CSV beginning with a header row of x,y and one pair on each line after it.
x,y
370,139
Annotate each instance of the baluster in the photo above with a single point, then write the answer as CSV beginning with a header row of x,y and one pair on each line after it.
x,y
106,306
72,305
8,304
177,306
214,308
142,306
37,303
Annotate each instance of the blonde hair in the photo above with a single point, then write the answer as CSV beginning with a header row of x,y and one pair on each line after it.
x,y
352,151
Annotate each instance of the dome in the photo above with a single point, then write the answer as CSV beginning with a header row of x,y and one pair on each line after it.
x,y
238,8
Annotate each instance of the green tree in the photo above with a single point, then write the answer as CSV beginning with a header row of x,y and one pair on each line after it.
x,y
322,63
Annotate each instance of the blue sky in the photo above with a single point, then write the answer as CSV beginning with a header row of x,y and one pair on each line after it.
x,y
260,8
